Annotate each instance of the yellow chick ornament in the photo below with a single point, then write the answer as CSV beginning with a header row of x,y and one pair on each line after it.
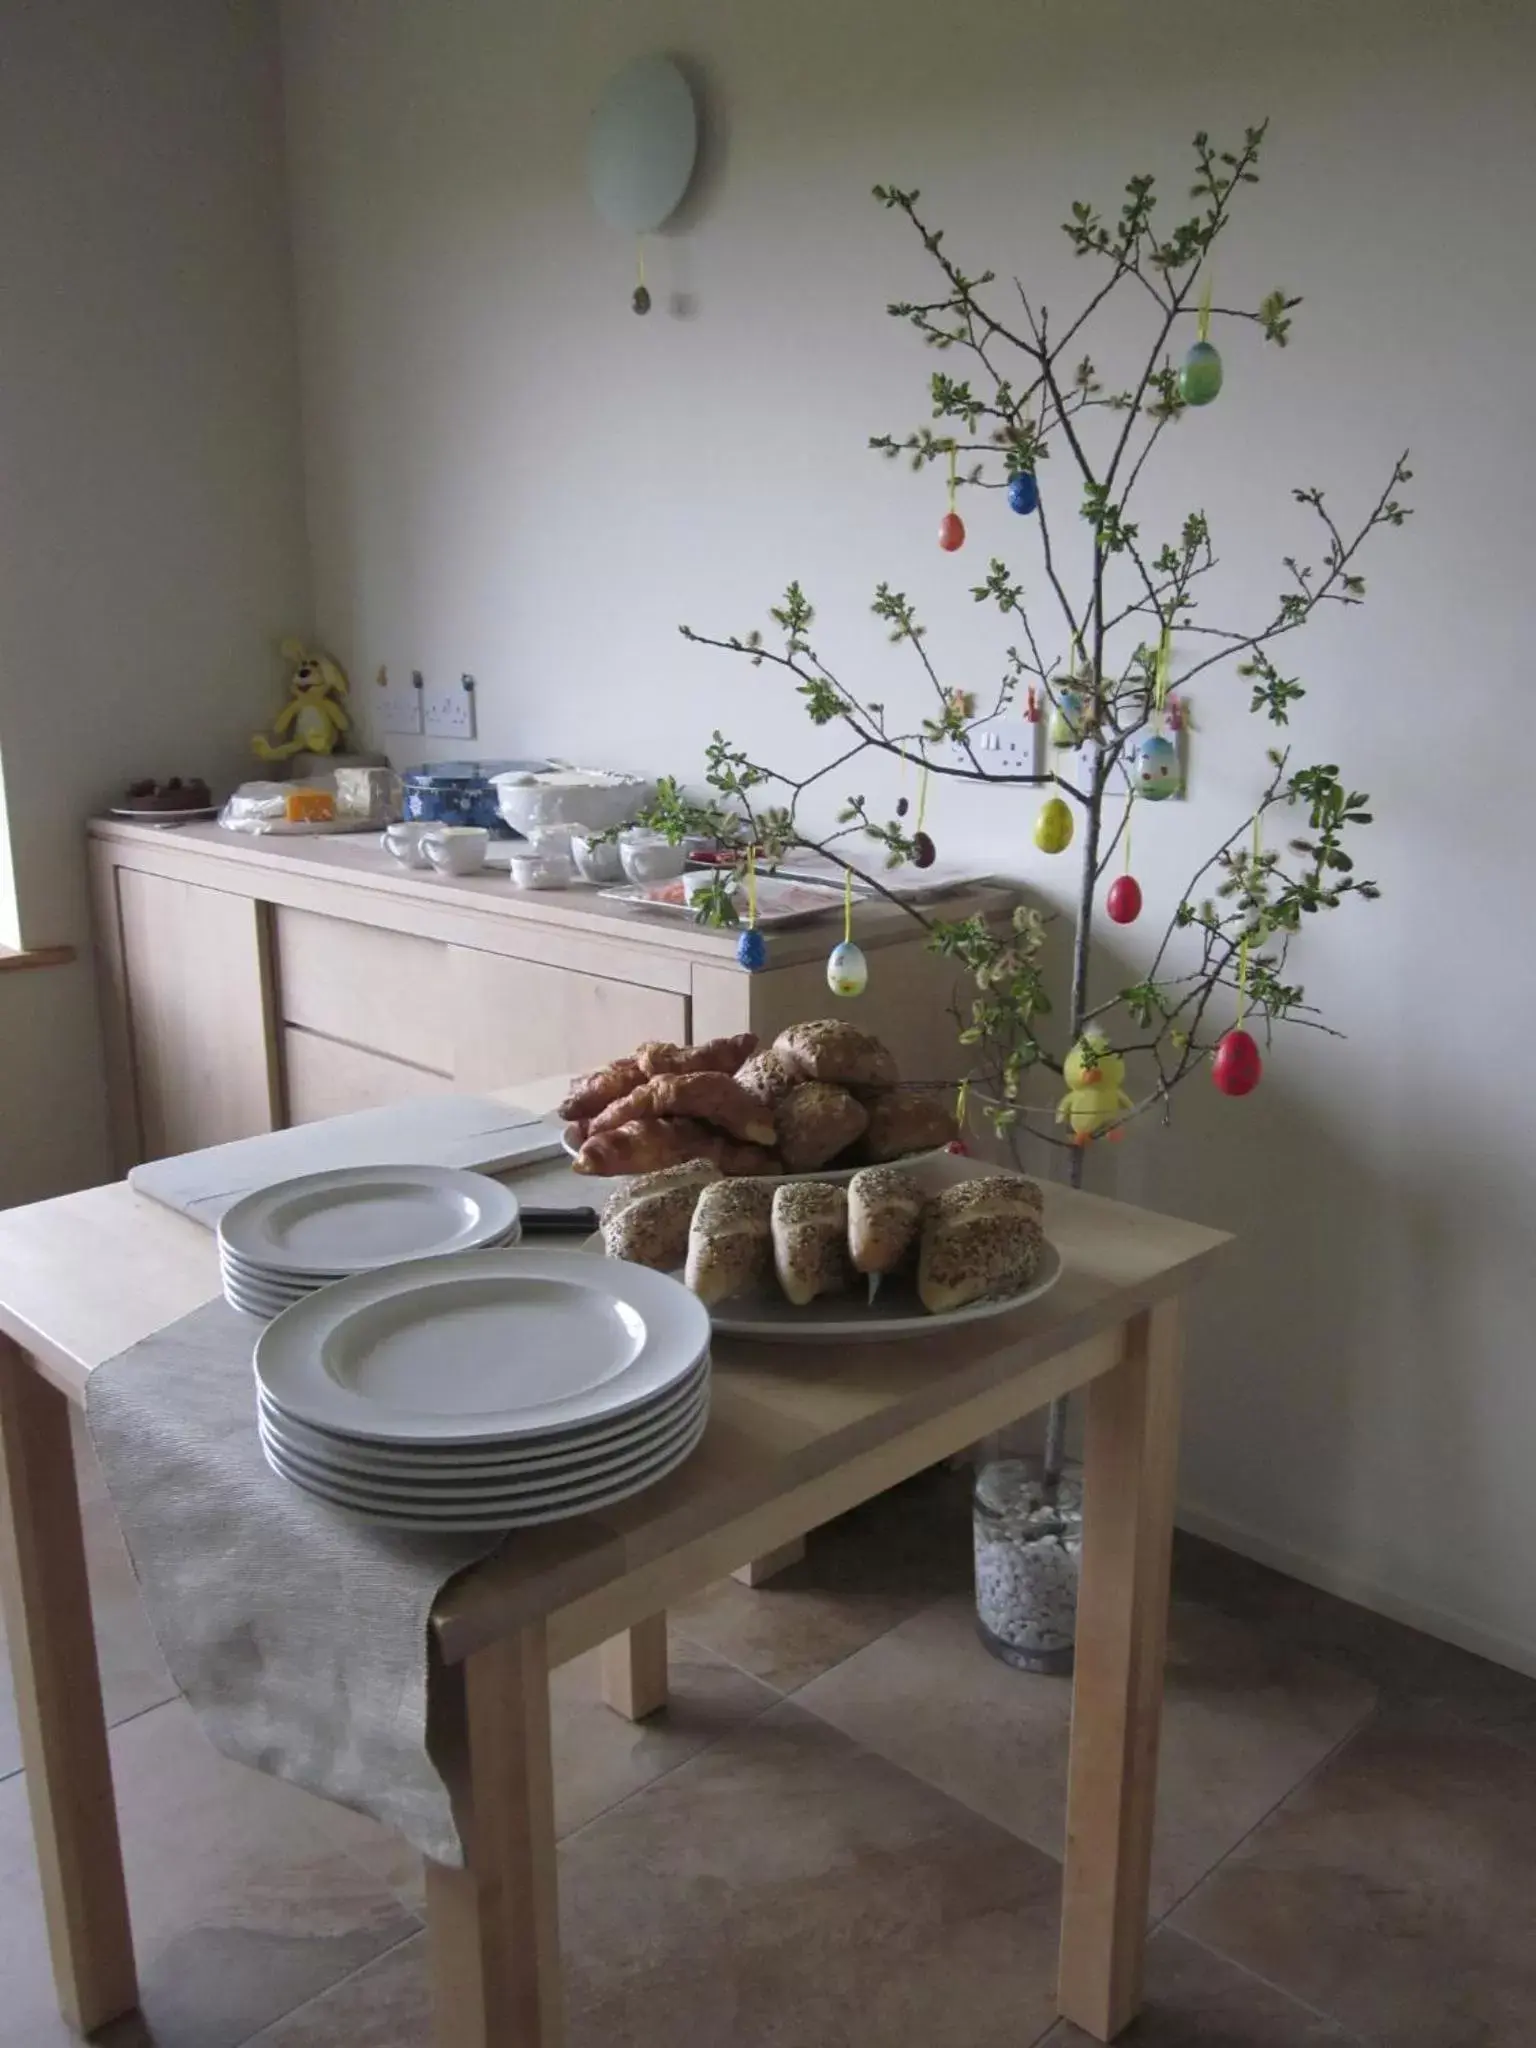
x,y
1095,1094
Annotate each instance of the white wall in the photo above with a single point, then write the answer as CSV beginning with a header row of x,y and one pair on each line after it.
x,y
151,540
510,473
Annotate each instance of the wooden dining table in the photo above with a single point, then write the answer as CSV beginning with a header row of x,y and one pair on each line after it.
x,y
797,1435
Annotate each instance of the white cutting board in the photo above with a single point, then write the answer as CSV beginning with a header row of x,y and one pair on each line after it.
x,y
434,1130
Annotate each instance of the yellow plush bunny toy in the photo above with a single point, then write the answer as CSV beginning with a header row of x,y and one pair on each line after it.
x,y
317,719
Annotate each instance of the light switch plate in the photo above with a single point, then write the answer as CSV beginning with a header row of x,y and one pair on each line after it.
x,y
450,710
398,703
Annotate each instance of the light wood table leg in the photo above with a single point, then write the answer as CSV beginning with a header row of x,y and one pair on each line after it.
x,y
493,1927
1131,1464
47,1606
635,1669
771,1563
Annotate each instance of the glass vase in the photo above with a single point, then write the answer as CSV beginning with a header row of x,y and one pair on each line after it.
x,y
1028,1550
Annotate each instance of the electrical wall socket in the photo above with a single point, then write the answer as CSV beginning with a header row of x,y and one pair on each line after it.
x,y
398,703
450,710
1002,746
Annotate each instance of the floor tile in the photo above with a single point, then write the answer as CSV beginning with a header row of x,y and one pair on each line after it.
x,y
1243,1723
861,1575
242,1907
133,1673
1404,1664
599,1757
1394,1889
1195,2000
782,1888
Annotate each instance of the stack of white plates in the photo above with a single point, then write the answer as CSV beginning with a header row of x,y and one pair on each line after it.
x,y
491,1390
283,1242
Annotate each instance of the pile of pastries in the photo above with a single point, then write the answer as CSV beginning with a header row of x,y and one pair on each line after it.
x,y
976,1240
823,1094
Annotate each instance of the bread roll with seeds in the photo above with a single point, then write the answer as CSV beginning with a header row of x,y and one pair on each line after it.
x,y
647,1221
815,1122
908,1120
730,1240
810,1239
980,1239
769,1077
829,1049
885,1213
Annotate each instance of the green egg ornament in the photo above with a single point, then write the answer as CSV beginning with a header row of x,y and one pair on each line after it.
x,y
1054,826
847,970
1157,768
1200,374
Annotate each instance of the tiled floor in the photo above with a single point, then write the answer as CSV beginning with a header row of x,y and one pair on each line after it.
x,y
844,1833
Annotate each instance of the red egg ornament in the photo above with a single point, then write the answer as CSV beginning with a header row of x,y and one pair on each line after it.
x,y
951,532
1237,1065
1123,903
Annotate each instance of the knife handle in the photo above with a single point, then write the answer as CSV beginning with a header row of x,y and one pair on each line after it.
x,y
557,1222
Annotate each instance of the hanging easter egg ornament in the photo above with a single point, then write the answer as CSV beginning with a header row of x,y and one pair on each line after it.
x,y
752,947
1066,727
1200,372
1023,493
951,526
1237,1065
924,852
1157,768
1123,903
1054,826
847,969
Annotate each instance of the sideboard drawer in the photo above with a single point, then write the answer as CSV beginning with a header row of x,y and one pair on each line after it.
x,y
381,990
323,1077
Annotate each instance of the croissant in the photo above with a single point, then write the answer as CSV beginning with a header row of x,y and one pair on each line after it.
x,y
714,1056
593,1092
642,1147
712,1098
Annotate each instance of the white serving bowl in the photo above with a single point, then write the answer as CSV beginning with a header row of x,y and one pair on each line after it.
x,y
650,857
593,798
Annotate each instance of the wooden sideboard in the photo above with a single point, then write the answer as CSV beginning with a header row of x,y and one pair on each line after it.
x,y
250,983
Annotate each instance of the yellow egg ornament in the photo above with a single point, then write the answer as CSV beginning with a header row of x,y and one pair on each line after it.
x,y
1054,826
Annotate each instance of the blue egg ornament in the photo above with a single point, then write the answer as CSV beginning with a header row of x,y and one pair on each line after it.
x,y
1066,727
1023,492
847,970
1200,374
1157,768
752,950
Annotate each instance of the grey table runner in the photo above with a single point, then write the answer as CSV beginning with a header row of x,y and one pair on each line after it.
x,y
298,1637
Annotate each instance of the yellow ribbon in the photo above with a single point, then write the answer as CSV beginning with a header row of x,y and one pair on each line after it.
x,y
1242,951
922,795
1203,325
752,887
1160,683
640,263
1130,798
847,906
962,1102
953,453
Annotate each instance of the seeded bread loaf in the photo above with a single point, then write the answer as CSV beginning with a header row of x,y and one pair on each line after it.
x,y
980,1239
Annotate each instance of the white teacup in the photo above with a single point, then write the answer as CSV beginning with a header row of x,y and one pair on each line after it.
x,y
456,849
403,839
649,857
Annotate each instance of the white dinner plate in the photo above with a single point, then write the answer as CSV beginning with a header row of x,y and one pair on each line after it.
x,y
452,1523
355,1219
479,1346
542,1454
895,1312
488,1494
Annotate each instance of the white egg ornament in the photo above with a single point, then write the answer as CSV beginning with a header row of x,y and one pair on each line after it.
x,y
1157,768
847,970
